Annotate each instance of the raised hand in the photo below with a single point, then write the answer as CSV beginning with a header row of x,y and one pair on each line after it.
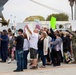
x,y
27,27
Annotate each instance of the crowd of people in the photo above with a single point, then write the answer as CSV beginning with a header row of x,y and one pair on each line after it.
x,y
50,47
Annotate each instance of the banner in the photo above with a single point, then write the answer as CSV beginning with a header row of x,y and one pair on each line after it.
x,y
53,22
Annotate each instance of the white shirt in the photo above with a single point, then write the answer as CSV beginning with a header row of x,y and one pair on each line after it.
x,y
33,41
26,45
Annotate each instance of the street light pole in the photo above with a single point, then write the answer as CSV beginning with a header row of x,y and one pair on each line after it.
x,y
71,4
72,12
75,10
11,18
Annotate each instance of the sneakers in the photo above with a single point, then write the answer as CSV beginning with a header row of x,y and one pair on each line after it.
x,y
17,70
9,61
34,67
42,66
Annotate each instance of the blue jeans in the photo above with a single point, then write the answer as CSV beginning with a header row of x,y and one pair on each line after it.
x,y
4,53
19,58
0,52
25,59
43,57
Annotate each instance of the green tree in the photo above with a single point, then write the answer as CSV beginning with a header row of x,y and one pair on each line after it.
x,y
59,17
32,18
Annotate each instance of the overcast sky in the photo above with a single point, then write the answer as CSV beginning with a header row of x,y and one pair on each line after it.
x,y
24,8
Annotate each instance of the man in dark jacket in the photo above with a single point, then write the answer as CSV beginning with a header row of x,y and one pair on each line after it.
x,y
4,46
0,45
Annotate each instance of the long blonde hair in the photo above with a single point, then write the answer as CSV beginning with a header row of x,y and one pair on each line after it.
x,y
45,34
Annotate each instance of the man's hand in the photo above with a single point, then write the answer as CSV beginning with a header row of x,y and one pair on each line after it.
x,y
0,38
46,52
14,42
28,29
51,42
27,26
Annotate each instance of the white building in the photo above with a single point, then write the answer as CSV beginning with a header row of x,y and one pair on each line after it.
x,y
65,24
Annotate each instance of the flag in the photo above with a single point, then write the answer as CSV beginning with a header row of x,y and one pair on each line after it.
x,y
53,22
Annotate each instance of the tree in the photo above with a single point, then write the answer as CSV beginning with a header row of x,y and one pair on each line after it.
x,y
59,17
32,18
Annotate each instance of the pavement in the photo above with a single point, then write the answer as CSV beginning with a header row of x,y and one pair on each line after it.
x,y
64,69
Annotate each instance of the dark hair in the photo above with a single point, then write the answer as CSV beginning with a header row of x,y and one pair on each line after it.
x,y
20,30
58,34
9,30
13,34
4,30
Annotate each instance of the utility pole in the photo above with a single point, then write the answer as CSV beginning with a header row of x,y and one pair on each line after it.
x,y
75,10
71,4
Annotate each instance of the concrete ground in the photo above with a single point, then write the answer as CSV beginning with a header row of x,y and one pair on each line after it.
x,y
64,69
